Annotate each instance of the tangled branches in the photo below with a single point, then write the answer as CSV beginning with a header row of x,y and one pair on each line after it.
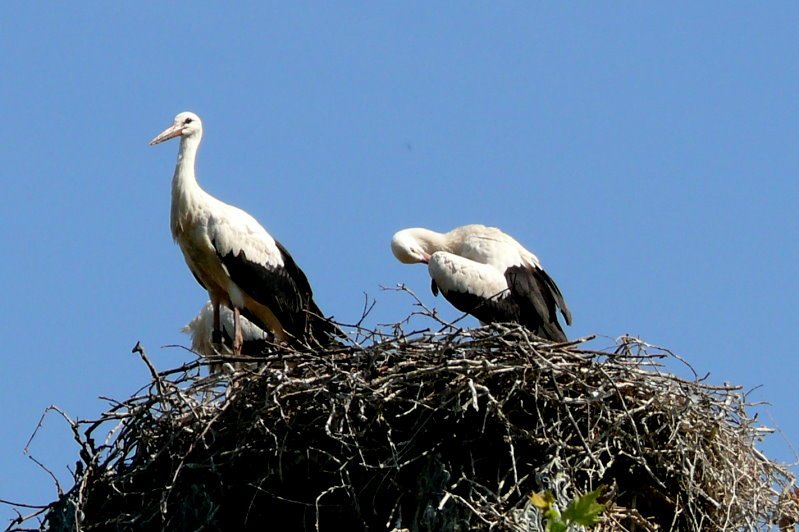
x,y
446,430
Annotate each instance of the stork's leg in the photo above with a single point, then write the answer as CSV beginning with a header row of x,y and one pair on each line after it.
x,y
238,337
216,335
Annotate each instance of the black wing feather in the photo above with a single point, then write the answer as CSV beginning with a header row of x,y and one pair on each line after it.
x,y
272,286
316,326
532,300
285,290
501,308
555,292
538,298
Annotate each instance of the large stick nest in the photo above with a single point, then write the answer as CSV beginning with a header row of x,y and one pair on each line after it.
x,y
434,430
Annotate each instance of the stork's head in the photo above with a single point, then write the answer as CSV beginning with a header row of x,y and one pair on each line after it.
x,y
409,248
186,125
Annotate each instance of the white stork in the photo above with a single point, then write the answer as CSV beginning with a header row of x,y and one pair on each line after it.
x,y
255,339
488,274
233,257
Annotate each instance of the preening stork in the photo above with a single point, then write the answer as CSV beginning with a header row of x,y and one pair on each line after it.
x,y
233,257
255,339
488,274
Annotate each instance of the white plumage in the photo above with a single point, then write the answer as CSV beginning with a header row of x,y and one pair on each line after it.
x,y
233,257
455,273
255,339
487,273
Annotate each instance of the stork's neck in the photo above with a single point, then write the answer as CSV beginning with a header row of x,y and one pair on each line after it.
x,y
431,241
184,178
186,192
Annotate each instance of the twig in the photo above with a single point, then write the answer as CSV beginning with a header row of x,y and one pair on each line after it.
x,y
439,427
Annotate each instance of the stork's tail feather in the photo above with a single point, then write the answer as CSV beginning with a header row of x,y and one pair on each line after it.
x,y
551,331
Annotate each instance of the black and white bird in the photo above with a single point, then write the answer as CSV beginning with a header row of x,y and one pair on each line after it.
x,y
255,339
488,274
233,257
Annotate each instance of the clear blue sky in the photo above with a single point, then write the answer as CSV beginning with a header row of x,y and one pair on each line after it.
x,y
648,155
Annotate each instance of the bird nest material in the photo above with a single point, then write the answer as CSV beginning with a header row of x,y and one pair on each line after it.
x,y
449,429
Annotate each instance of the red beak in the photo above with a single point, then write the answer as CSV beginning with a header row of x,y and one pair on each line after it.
x,y
175,130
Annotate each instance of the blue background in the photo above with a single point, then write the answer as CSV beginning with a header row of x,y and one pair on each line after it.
x,y
648,154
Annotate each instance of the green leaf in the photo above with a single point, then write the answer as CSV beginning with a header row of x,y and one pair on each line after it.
x,y
542,500
584,510
556,526
552,514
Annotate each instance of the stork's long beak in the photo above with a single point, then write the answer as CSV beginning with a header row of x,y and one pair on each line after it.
x,y
171,132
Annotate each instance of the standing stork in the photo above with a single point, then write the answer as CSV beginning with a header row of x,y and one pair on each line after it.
x,y
488,274
233,257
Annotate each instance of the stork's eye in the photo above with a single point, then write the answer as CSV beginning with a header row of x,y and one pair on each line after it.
x,y
188,121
